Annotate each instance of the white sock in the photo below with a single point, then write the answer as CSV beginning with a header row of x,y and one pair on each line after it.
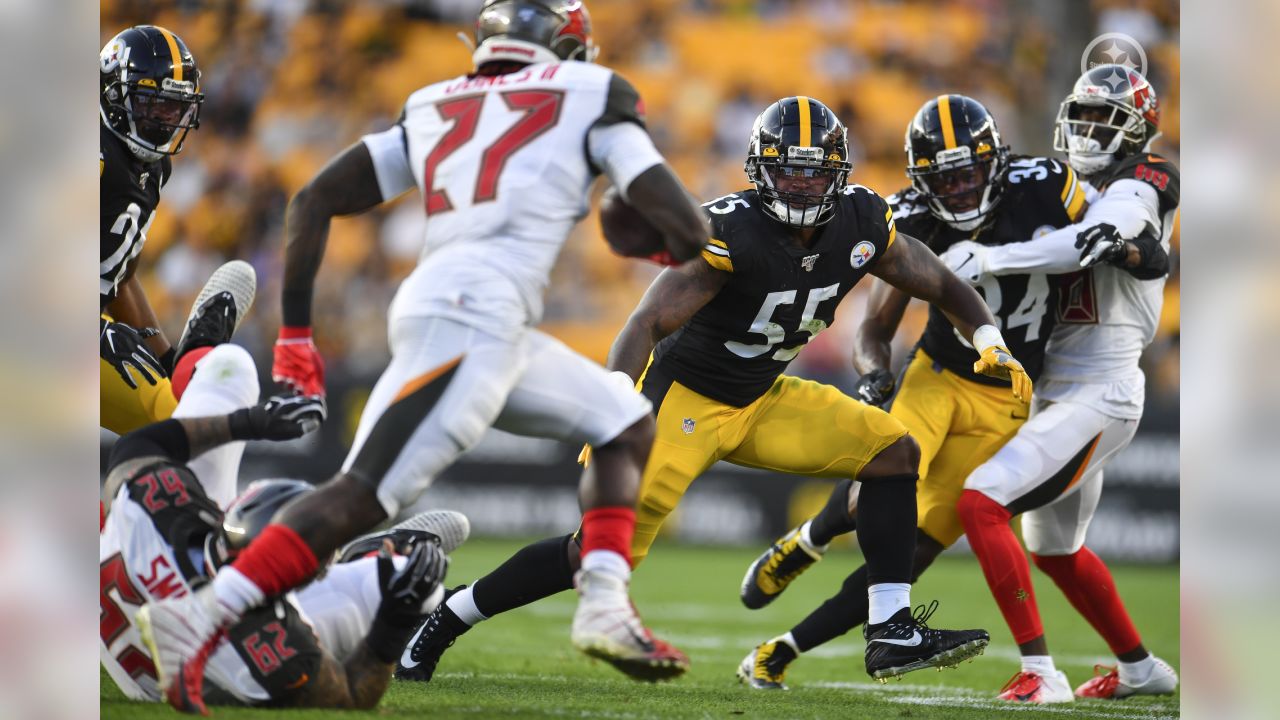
x,y
235,592
808,541
1136,673
607,562
887,599
790,641
463,604
1041,665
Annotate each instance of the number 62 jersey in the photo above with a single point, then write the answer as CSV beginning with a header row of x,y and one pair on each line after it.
x,y
505,164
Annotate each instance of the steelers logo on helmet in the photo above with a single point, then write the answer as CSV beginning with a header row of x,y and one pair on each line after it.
x,y
861,254
1112,112
149,91
956,159
798,159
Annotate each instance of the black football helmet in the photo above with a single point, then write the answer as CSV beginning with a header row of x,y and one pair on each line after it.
x,y
1111,112
533,31
798,159
956,159
248,515
149,93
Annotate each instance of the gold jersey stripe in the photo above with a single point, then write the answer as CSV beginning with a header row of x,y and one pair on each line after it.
x,y
719,243
893,235
806,132
173,52
944,116
1072,196
718,262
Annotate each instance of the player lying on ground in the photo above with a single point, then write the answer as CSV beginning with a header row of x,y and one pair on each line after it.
x,y
964,184
708,346
504,158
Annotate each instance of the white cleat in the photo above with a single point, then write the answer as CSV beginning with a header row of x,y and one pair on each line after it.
x,y
182,633
236,277
1037,689
1108,685
606,626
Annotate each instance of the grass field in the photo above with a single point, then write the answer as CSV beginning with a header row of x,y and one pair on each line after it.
x,y
521,665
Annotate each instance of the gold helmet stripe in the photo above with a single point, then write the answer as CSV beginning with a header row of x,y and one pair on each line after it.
x,y
806,131
173,52
944,115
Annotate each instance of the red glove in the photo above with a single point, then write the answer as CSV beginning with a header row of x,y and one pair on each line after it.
x,y
298,364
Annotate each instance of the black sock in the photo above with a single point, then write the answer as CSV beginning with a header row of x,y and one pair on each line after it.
x,y
536,571
843,612
887,527
833,520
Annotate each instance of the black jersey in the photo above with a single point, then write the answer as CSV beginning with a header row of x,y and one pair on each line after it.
x,y
1040,195
1155,170
778,297
129,190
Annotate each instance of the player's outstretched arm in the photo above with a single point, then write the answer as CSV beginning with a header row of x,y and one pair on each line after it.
x,y
660,196
873,341
673,298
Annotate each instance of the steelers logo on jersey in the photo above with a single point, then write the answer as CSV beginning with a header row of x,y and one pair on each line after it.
x,y
862,254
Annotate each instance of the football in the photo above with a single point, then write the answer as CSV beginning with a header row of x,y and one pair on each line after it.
x,y
625,229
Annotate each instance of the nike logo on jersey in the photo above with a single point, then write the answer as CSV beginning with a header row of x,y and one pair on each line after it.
x,y
912,641
966,262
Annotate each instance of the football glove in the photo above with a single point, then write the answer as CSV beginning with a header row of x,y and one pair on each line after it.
x,y
123,347
967,259
297,363
284,417
1101,244
997,361
408,593
875,387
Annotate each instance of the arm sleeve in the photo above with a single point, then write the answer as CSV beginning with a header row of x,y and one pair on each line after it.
x,y
1154,261
1129,205
166,439
622,151
390,154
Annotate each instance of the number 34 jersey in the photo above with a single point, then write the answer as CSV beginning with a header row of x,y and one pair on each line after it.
x,y
1040,195
779,295
505,169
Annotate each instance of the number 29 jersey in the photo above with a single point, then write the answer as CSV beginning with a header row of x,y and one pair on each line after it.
x,y
504,167
779,295
1040,194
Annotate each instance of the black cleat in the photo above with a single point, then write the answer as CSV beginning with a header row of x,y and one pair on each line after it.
x,y
437,634
765,667
776,567
223,303
904,643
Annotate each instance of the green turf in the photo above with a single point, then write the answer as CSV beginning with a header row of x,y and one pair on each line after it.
x,y
521,664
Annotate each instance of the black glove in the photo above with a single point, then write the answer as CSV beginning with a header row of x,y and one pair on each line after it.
x,y
284,417
123,347
875,388
1101,244
404,592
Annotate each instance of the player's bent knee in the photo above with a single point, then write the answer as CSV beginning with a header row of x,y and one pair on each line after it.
x,y
975,508
230,366
902,457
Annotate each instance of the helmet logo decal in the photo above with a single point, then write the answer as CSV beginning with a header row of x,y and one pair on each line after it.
x,y
575,26
862,254
770,152
834,157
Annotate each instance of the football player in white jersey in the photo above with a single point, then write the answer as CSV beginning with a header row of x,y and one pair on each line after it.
x,y
330,644
504,158
1090,395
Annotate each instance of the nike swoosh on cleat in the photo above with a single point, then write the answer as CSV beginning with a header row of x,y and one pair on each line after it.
x,y
406,658
912,641
643,641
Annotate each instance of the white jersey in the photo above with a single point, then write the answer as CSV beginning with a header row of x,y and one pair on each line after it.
x,y
505,164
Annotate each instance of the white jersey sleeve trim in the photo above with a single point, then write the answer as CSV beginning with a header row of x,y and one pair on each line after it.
x,y
390,161
1129,205
623,151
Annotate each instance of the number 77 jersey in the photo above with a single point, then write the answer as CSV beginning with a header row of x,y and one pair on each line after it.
x,y
505,168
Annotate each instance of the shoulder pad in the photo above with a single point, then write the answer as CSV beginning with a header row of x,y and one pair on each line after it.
x,y
1049,180
728,215
1152,169
622,104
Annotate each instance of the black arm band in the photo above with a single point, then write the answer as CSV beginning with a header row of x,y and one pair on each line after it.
x,y
1153,261
167,438
241,424
295,307
387,641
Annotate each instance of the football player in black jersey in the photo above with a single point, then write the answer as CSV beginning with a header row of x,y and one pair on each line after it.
x,y
964,186
708,346
149,99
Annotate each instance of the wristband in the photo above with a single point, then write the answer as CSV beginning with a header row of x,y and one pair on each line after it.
x,y
987,336
241,425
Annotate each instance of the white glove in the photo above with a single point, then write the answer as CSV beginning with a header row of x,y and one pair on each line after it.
x,y
967,259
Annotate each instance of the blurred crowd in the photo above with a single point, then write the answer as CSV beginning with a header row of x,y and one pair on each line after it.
x,y
291,82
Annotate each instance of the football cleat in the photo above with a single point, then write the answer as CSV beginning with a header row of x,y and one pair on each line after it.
x,y
606,626
1037,689
223,303
449,527
765,667
1108,685
774,570
182,633
904,643
436,634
